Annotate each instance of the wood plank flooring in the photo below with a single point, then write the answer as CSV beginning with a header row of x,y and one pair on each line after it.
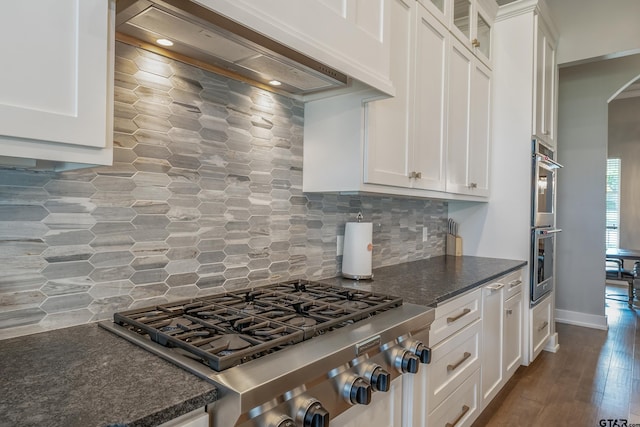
x,y
594,375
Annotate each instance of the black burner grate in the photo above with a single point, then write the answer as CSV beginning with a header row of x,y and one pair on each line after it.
x,y
227,329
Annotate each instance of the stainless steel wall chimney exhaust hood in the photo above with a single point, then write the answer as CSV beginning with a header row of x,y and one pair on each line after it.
x,y
206,37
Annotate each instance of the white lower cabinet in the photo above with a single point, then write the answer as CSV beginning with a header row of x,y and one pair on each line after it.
x,y
476,346
512,351
493,340
462,407
540,326
502,333
452,361
440,391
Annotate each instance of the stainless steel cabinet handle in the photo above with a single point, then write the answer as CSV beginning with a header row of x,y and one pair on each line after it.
x,y
514,283
465,409
544,325
495,286
454,318
459,362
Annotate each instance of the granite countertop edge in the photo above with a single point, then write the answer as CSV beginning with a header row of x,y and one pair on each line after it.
x,y
444,298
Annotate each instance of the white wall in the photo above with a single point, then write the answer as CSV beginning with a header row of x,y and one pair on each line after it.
x,y
624,143
584,91
594,28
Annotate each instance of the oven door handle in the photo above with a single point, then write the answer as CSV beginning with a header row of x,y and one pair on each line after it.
x,y
545,232
549,162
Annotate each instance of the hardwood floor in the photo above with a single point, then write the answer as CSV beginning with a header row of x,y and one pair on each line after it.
x,y
594,375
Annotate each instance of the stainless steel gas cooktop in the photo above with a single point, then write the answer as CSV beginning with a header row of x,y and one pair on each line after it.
x,y
299,351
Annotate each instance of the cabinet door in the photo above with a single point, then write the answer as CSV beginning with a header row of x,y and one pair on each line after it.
x,y
540,325
481,40
460,71
430,104
480,134
545,65
512,335
387,121
348,35
492,340
56,87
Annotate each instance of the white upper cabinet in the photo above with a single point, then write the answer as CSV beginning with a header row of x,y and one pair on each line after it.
x,y
544,82
468,142
526,43
430,82
471,21
431,140
390,119
405,135
348,35
56,98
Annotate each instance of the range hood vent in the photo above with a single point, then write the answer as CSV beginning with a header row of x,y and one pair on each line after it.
x,y
205,37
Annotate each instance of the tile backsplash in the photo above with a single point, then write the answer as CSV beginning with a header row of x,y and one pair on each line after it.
x,y
205,195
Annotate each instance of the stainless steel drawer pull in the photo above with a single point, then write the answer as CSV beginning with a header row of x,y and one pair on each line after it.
x,y
459,316
514,283
459,362
495,286
544,325
465,409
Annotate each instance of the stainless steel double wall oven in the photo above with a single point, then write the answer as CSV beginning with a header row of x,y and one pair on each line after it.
x,y
543,224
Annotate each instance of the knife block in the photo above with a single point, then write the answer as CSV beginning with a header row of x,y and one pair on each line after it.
x,y
454,245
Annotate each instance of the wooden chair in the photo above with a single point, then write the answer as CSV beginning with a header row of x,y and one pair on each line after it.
x,y
615,271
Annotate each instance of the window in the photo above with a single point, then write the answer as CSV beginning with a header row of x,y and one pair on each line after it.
x,y
613,204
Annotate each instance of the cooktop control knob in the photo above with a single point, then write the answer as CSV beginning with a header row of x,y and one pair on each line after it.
x,y
360,392
316,416
406,362
422,351
278,419
380,379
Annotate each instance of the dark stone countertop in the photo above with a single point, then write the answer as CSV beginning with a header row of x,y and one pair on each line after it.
x,y
434,280
86,376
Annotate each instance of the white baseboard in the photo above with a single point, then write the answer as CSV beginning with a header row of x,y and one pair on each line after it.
x,y
552,345
582,319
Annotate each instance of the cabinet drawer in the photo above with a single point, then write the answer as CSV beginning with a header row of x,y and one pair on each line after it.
x,y
462,407
452,361
540,326
453,316
512,284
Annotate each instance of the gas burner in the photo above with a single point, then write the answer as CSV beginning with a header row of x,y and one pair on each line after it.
x,y
176,324
353,305
227,343
301,322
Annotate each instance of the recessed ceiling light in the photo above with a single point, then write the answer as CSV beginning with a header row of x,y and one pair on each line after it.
x,y
164,42
275,83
